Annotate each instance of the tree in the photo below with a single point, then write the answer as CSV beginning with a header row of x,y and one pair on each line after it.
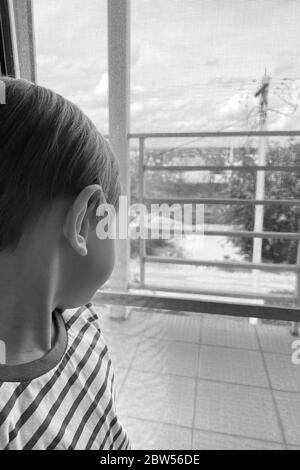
x,y
279,185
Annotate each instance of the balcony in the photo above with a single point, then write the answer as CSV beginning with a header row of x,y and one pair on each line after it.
x,y
187,381
224,257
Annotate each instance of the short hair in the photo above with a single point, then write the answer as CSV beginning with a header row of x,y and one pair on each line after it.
x,y
48,149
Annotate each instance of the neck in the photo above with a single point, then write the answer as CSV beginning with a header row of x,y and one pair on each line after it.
x,y
26,305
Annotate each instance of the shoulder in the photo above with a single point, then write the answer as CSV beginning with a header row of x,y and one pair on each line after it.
x,y
77,318
83,329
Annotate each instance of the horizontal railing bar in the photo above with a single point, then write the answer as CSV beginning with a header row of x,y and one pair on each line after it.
x,y
211,292
210,201
154,135
197,306
245,234
222,264
184,168
233,233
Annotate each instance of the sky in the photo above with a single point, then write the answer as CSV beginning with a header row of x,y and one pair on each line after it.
x,y
195,64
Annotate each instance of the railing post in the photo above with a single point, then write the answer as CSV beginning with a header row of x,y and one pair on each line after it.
x,y
259,211
142,241
295,326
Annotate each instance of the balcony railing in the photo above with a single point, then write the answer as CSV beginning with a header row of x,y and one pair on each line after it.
x,y
294,298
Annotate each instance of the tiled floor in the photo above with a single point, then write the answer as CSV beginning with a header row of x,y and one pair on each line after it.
x,y
204,382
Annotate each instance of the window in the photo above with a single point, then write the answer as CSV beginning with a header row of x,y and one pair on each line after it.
x,y
71,53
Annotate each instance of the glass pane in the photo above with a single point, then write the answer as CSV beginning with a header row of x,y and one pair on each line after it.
x,y
71,46
197,64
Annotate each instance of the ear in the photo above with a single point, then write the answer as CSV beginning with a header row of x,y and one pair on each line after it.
x,y
79,218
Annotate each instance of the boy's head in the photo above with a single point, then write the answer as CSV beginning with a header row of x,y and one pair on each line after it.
x,y
53,166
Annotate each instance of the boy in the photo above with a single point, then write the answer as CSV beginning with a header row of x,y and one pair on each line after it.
x,y
56,380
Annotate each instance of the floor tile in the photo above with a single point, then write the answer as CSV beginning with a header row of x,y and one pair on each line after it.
x,y
172,326
121,348
158,397
120,375
232,365
147,435
135,324
289,410
171,357
236,409
283,374
275,338
203,440
230,332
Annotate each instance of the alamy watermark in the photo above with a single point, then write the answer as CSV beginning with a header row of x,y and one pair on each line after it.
x,y
296,353
157,221
2,352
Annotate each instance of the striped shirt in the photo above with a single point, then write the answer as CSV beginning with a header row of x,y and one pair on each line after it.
x,y
66,399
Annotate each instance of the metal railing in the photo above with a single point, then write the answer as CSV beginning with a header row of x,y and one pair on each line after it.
x,y
144,258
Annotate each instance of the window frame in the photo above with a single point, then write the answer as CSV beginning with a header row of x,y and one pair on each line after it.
x,y
7,60
17,45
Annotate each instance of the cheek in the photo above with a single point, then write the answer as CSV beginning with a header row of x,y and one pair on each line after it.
x,y
100,259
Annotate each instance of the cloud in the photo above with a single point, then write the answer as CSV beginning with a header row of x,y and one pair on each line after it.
x,y
46,60
101,89
135,55
187,73
213,62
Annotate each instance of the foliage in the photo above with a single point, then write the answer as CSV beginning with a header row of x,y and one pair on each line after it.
x,y
279,185
236,185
